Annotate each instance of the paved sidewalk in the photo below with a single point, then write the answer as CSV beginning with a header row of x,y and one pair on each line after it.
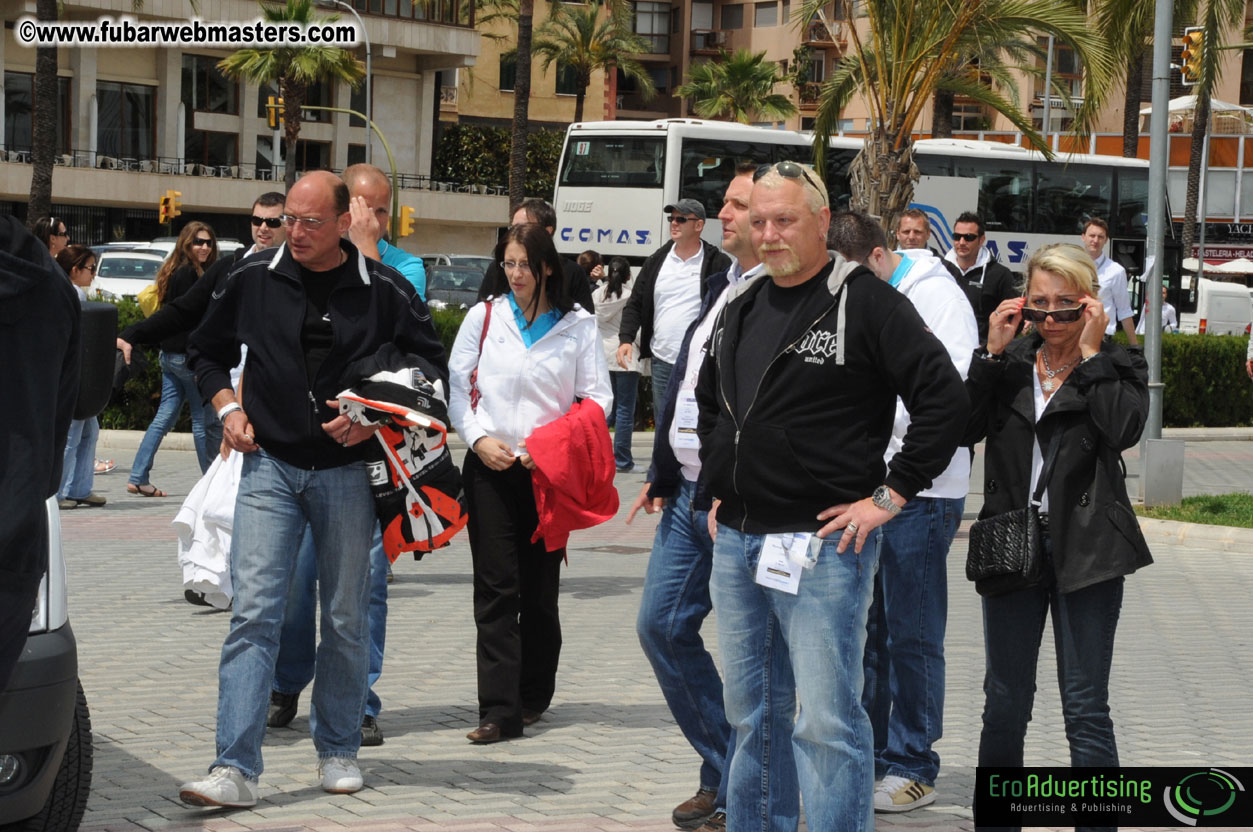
x,y
607,756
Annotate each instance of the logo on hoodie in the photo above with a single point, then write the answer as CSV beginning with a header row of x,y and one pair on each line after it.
x,y
816,346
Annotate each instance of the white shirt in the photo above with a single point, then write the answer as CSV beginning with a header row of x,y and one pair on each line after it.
x,y
947,313
676,302
1169,321
1037,456
689,457
522,389
609,321
1113,280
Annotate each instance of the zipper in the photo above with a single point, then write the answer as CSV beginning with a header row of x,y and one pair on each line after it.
x,y
735,465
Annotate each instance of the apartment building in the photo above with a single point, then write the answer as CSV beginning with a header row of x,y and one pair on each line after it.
x,y
135,122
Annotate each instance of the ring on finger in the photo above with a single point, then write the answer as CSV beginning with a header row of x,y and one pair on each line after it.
x,y
851,528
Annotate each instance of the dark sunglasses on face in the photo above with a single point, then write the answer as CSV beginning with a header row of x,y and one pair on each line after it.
x,y
681,220
788,170
1061,316
200,241
270,222
970,238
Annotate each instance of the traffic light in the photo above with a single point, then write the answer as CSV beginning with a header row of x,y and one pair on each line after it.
x,y
173,204
406,221
1190,58
163,210
274,111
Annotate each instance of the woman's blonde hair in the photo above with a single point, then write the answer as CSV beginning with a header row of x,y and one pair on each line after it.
x,y
1067,261
183,254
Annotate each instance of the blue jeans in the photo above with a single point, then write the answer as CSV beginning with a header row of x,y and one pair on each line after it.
x,y
276,502
1084,624
78,465
674,605
625,386
661,380
177,384
904,694
297,655
818,636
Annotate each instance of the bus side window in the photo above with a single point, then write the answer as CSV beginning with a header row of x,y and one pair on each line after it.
x,y
1005,198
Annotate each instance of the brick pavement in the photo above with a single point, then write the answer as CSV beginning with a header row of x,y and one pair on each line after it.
x,y
607,756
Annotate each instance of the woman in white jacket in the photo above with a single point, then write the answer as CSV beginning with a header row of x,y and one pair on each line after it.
x,y
529,355
610,297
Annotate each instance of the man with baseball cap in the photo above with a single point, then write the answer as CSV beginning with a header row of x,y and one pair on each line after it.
x,y
668,293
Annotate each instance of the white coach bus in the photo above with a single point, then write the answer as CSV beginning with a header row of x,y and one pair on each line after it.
x,y
615,177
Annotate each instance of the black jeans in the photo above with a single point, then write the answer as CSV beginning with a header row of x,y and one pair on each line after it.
x,y
1084,624
515,596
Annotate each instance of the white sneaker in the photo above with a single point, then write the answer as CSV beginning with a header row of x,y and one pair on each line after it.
x,y
900,794
340,775
225,786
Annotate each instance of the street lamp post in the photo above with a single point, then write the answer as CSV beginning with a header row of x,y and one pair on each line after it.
x,y
369,142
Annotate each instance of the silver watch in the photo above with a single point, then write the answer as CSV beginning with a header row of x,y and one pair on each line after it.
x,y
882,498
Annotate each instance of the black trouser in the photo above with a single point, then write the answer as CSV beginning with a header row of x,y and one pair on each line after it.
x,y
515,596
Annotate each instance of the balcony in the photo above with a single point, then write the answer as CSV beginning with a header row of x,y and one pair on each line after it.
x,y
808,95
708,41
817,36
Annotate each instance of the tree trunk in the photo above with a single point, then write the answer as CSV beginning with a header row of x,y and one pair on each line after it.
x,y
43,121
578,104
1200,119
521,104
882,180
942,114
293,100
1131,106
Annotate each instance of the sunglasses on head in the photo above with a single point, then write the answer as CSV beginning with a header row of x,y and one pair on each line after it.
x,y
1061,316
681,220
970,238
201,241
788,170
270,222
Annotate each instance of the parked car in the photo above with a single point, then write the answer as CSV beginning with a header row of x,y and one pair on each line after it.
x,y
1220,308
478,261
452,286
124,272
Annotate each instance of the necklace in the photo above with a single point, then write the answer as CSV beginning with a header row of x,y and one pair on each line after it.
x,y
1048,385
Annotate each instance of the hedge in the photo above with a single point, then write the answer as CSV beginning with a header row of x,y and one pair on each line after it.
x,y
1206,385
479,155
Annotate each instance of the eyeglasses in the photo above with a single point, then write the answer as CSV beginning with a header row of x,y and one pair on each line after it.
x,y
1061,316
788,170
311,223
91,268
514,266
681,220
201,241
970,238
62,233
270,222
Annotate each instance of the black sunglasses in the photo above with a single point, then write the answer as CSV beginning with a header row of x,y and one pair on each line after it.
x,y
789,170
1061,316
970,238
681,220
199,241
270,222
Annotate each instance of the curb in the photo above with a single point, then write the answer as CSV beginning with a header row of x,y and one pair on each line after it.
x,y
1208,434
1226,538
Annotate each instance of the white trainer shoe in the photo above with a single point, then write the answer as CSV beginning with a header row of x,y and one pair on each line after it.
x,y
340,775
225,786
900,794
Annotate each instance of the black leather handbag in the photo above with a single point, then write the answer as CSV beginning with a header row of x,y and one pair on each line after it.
x,y
1006,553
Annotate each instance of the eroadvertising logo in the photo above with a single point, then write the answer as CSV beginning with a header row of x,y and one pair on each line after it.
x,y
1160,796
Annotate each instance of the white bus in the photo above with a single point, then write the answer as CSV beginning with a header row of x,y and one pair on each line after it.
x,y
616,176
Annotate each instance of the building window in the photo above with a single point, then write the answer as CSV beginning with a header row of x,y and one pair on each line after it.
x,y
508,72
676,21
356,101
732,17
126,120
312,155
206,89
567,82
18,105
817,67
211,148
765,15
702,15
452,12
1246,78
652,22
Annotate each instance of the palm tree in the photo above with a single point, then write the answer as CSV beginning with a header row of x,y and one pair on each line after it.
x,y
913,48
737,86
43,121
579,38
295,68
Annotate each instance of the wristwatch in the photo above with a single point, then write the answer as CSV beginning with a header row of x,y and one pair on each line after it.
x,y
882,498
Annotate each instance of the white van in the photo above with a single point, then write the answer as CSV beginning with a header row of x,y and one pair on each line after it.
x,y
1221,308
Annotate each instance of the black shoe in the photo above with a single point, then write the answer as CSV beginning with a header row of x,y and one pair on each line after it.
x,y
282,709
371,734
191,596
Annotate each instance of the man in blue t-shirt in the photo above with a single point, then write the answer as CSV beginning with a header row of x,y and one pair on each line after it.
x,y
371,210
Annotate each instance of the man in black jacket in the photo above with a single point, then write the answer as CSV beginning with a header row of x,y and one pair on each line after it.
x,y
985,281
39,333
667,294
307,315
539,212
796,401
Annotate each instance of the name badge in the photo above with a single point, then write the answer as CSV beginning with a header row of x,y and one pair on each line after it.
x,y
686,415
783,557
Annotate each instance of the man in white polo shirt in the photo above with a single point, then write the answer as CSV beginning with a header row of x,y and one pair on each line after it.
x,y
1112,278
668,293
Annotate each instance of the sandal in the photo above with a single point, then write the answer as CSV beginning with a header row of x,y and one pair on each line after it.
x,y
104,466
145,490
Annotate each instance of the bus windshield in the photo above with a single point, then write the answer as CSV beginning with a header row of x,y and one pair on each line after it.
x,y
615,162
